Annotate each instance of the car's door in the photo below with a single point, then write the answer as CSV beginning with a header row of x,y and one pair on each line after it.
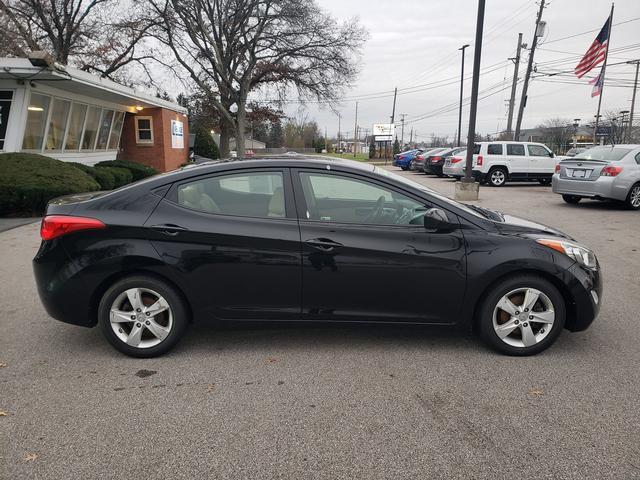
x,y
542,161
496,156
366,255
518,159
234,238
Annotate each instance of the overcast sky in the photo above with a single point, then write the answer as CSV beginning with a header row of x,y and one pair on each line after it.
x,y
414,43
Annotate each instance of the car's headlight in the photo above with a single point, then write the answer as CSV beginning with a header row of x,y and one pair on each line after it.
x,y
580,254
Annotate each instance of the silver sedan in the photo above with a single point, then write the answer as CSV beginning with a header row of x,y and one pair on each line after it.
x,y
609,172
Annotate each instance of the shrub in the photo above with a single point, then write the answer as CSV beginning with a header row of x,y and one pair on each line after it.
x,y
28,181
121,176
101,175
204,145
138,170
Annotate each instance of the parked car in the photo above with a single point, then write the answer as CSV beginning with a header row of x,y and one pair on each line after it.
x,y
454,166
249,154
499,162
435,162
419,161
404,159
233,154
607,172
305,239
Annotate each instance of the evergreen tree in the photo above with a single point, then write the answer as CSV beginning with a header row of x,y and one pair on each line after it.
x,y
276,135
396,147
204,144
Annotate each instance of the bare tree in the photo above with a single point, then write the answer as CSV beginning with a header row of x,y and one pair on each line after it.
x,y
556,133
229,48
102,36
617,130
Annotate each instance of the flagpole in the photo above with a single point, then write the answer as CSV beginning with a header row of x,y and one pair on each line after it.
x,y
604,70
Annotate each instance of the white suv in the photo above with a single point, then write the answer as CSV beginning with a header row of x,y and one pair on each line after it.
x,y
497,162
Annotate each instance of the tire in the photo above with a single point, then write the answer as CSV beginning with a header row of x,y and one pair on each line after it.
x,y
549,306
633,197
404,168
169,324
572,199
497,176
544,181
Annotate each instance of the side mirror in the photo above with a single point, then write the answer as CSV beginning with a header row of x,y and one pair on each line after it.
x,y
551,154
436,219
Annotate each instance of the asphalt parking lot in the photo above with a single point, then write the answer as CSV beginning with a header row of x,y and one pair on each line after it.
x,y
330,402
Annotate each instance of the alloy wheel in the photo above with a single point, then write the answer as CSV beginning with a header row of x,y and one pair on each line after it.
x,y
523,317
497,177
634,196
141,317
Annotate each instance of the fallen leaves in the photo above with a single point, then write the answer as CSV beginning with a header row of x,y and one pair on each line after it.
x,y
270,360
30,457
536,392
3,414
211,387
3,365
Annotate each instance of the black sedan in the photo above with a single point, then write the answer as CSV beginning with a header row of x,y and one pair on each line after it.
x,y
305,239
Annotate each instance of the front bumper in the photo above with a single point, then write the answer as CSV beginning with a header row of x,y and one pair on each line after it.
x,y
603,187
416,166
585,289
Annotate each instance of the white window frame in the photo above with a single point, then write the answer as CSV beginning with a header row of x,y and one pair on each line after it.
x,y
11,102
140,141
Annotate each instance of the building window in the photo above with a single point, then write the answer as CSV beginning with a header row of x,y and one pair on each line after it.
x,y
76,123
38,112
116,131
144,130
57,124
5,107
105,129
91,128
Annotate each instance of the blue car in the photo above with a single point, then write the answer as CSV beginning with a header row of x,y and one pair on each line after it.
x,y
404,159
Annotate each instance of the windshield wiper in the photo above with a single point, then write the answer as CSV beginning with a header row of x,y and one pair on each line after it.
x,y
490,214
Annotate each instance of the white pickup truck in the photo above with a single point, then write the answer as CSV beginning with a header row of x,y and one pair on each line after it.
x,y
496,163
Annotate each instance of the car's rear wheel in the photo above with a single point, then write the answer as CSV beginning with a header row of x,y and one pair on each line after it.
x,y
142,316
544,181
633,198
404,168
572,199
497,177
522,315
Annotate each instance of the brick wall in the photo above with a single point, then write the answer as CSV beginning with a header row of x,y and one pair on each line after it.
x,y
159,154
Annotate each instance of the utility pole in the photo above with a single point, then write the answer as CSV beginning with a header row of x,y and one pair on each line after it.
x,y
633,100
601,79
402,115
393,119
355,132
461,90
411,136
512,100
325,139
467,189
525,86
339,144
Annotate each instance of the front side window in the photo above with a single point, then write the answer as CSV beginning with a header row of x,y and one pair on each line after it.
x,y
339,199
256,194
515,149
538,151
494,149
144,130
38,112
76,122
57,124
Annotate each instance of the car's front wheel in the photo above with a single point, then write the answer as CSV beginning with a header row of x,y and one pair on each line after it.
x,y
142,316
522,315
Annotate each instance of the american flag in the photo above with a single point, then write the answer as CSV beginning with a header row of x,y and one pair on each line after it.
x,y
596,53
597,84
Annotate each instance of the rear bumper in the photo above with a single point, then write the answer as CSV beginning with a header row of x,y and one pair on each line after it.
x,y
434,168
603,187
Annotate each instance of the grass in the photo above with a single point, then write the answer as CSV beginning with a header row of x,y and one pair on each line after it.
x,y
360,157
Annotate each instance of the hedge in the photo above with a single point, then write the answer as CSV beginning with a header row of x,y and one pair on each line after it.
x,y
138,170
28,181
101,175
121,176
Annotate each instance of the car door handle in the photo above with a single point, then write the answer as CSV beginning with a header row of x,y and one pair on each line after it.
x,y
169,229
323,244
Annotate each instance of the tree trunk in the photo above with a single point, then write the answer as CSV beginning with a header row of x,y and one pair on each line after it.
x,y
225,133
241,121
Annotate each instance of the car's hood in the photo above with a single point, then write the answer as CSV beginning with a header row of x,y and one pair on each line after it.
x,y
512,224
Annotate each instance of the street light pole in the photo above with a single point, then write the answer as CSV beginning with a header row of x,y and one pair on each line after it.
x,y
576,124
462,49
633,101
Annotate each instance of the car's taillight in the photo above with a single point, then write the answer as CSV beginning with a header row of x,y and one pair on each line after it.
x,y
558,168
610,171
400,157
54,226
436,159
456,160
480,160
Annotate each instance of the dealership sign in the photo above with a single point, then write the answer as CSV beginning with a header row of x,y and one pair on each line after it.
x,y
384,132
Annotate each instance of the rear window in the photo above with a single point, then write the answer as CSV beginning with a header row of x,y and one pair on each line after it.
x,y
609,154
516,149
494,149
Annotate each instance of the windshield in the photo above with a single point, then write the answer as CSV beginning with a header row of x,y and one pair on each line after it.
x,y
607,154
433,193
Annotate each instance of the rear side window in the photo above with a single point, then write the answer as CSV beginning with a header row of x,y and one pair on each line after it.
x,y
257,194
476,149
494,149
516,149
538,151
